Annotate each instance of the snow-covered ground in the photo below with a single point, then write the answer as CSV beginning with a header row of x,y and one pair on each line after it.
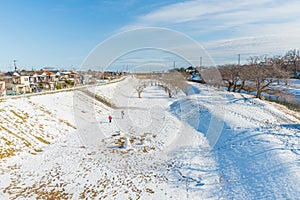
x,y
295,88
258,148
208,145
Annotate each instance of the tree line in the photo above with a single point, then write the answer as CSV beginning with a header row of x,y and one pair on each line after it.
x,y
262,74
171,82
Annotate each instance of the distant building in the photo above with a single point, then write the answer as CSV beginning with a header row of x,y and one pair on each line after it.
x,y
2,89
20,83
7,79
23,81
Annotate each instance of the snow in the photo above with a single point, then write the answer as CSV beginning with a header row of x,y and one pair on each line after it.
x,y
208,145
258,148
294,88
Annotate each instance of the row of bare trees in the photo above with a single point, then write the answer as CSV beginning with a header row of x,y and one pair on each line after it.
x,y
172,82
292,61
259,75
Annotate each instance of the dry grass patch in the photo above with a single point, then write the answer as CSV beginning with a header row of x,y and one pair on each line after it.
x,y
149,190
7,142
23,118
26,142
5,153
42,140
67,123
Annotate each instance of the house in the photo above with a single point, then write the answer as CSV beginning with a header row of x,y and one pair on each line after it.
x,y
64,75
194,74
71,78
49,80
42,80
75,76
20,83
190,69
7,79
86,78
2,89
48,76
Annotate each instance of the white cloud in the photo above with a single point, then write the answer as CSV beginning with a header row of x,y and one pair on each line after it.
x,y
190,11
247,27
226,51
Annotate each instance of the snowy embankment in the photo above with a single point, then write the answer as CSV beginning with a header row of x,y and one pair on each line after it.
x,y
258,148
145,155
27,124
209,145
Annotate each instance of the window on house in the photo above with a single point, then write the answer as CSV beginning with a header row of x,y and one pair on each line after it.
x,y
25,79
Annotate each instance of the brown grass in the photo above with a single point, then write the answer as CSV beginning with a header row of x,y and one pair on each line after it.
x,y
149,190
18,115
26,142
7,142
41,140
5,153
67,123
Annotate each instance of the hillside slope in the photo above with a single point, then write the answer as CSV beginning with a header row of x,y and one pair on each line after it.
x,y
257,149
209,145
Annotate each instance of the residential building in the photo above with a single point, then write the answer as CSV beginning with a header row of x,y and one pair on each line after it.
x,y
21,83
2,89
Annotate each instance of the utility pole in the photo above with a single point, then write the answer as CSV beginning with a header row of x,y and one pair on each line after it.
x,y
239,59
200,62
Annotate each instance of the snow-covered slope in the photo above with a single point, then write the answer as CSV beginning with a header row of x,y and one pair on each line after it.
x,y
27,124
257,150
209,145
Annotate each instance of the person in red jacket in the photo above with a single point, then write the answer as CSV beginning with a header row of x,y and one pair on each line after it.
x,y
109,118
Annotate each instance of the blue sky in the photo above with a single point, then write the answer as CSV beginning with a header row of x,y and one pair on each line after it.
x,y
63,33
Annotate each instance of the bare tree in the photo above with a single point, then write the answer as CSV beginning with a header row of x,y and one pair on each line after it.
x,y
180,83
212,76
263,72
244,76
173,83
139,86
292,58
230,76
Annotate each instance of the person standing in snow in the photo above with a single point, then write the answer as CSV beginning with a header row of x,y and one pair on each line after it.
x,y
122,114
109,118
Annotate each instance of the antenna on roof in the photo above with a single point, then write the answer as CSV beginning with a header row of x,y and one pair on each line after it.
x,y
15,65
